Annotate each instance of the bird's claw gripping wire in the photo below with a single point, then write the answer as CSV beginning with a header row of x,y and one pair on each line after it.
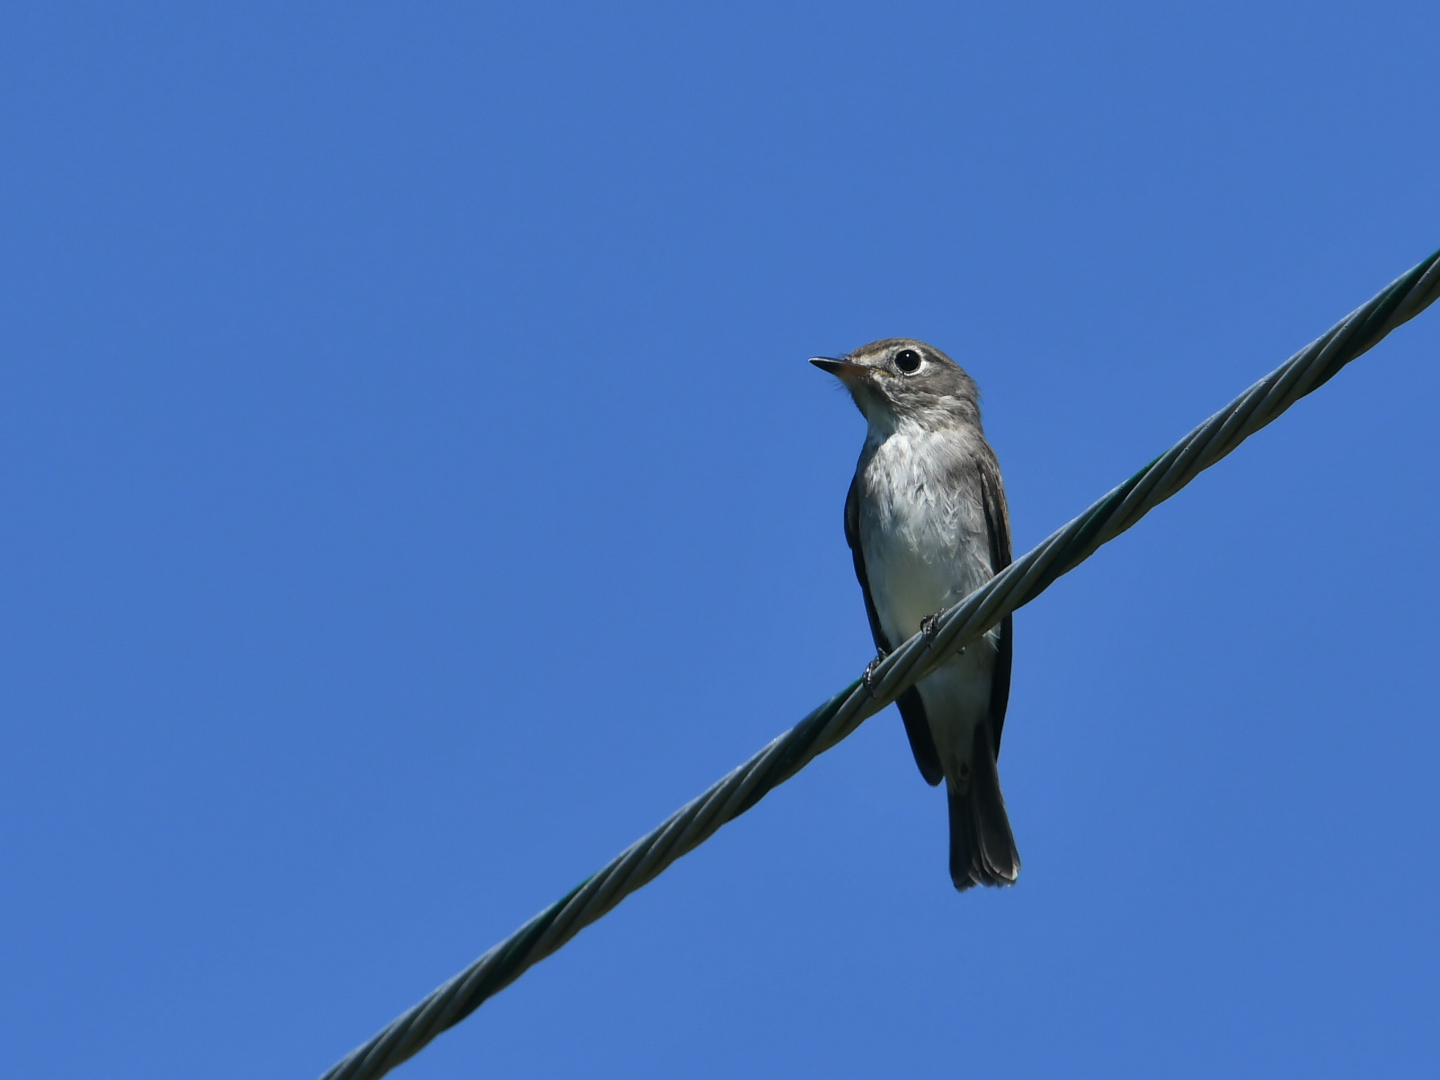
x,y
930,626
869,677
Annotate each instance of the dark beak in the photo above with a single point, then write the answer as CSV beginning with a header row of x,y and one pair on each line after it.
x,y
844,369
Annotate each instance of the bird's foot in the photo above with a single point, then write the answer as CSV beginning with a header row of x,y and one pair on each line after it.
x,y
930,626
869,677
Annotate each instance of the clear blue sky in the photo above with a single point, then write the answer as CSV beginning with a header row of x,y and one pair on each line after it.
x,y
414,489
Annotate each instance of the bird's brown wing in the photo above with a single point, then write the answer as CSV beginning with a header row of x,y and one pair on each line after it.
x,y
997,526
912,709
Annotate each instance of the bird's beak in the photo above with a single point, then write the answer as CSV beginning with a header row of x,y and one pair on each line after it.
x,y
843,369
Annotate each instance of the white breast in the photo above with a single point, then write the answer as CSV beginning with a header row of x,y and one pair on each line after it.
x,y
922,524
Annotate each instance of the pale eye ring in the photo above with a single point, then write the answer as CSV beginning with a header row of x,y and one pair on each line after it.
x,y
908,361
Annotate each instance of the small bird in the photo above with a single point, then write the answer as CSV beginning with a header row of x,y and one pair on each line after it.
x,y
927,524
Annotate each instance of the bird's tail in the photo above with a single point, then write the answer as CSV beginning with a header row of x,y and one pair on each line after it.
x,y
982,847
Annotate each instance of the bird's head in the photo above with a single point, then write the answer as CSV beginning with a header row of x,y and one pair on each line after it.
x,y
901,378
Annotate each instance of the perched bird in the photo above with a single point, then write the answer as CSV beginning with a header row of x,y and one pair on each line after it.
x,y
927,525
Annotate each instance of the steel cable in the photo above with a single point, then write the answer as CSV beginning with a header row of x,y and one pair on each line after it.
x,y
1024,580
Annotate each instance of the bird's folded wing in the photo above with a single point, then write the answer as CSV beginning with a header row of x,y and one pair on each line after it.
x,y
997,527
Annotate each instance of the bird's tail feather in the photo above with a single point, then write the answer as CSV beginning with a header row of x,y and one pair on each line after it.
x,y
982,847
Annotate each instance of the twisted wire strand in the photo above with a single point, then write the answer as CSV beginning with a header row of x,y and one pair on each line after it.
x,y
1022,581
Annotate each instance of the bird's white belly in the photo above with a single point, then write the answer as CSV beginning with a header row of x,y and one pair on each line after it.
x,y
907,585
957,694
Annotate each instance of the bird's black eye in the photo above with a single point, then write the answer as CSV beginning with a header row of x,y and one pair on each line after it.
x,y
908,361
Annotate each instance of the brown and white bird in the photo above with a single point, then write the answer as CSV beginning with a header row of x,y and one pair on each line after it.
x,y
927,525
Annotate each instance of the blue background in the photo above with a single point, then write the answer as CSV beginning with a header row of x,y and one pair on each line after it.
x,y
414,489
